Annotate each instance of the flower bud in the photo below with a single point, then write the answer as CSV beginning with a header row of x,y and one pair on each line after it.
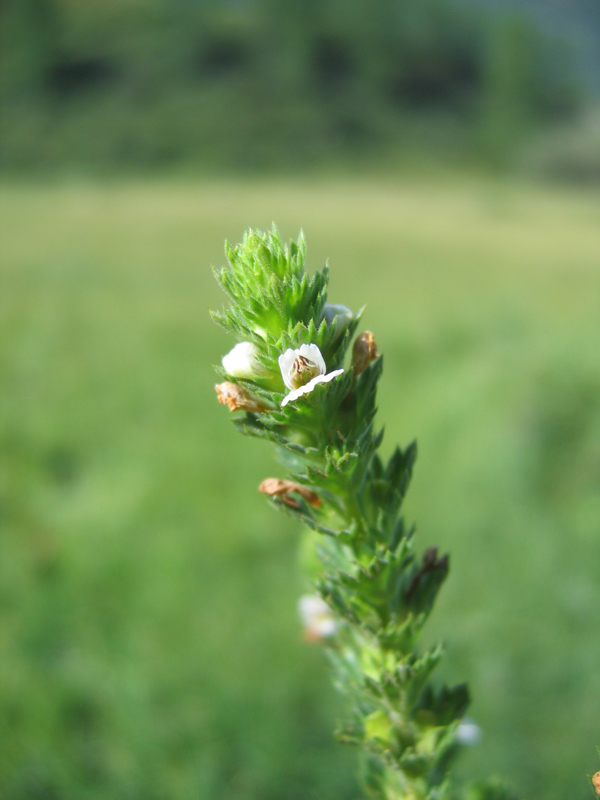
x,y
363,352
275,487
317,618
343,314
242,362
468,733
596,782
236,398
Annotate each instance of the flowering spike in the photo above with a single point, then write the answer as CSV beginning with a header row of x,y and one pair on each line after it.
x,y
373,594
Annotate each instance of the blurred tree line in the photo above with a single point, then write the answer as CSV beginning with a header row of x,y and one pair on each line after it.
x,y
268,83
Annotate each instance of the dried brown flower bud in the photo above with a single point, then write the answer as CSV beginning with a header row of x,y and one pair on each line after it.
x,y
596,782
275,487
236,398
363,352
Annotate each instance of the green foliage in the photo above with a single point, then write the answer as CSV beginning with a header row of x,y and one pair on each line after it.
x,y
569,153
267,84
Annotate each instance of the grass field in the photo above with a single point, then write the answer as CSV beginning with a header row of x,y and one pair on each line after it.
x,y
149,645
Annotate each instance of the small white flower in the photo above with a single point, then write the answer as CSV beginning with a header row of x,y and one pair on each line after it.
x,y
302,370
298,367
317,618
242,362
468,733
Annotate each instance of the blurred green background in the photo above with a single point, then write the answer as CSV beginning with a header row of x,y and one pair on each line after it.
x,y
444,156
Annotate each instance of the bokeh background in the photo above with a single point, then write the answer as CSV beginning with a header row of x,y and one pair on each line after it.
x,y
445,157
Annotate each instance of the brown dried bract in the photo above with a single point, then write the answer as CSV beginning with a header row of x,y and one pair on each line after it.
x,y
364,352
275,487
236,398
596,782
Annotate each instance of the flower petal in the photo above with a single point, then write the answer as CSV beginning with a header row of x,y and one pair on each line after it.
x,y
286,362
307,388
312,352
293,371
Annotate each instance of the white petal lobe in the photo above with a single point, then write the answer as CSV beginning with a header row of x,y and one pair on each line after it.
x,y
307,388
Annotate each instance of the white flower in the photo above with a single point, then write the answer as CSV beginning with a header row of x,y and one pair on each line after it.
x,y
302,370
317,618
242,362
468,733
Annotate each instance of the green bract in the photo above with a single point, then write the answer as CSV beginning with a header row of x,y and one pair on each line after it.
x,y
379,592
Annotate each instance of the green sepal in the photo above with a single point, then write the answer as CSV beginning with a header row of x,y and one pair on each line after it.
x,y
252,425
399,636
442,706
420,668
309,516
384,490
415,765
425,580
